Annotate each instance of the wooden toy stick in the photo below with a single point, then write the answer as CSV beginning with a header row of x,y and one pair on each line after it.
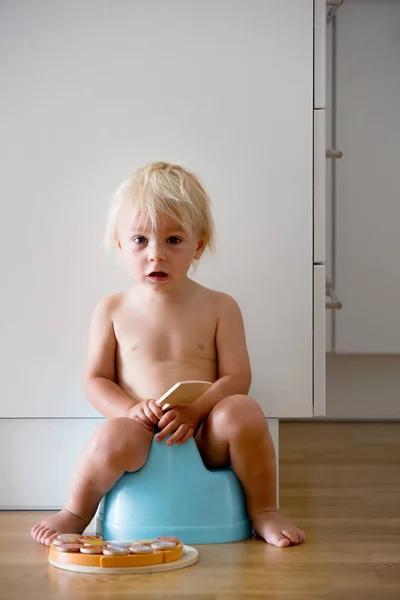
x,y
183,392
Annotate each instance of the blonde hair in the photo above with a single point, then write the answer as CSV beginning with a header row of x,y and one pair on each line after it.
x,y
161,187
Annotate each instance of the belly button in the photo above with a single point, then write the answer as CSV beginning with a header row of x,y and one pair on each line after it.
x,y
202,347
133,348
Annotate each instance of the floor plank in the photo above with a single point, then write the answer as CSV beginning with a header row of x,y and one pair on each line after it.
x,y
339,481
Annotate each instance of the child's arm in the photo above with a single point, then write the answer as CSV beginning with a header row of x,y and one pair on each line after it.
x,y
234,371
99,377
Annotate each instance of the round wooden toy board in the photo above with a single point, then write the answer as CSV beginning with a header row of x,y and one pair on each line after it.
x,y
73,558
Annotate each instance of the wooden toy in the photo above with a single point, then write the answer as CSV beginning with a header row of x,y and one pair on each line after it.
x,y
95,555
183,392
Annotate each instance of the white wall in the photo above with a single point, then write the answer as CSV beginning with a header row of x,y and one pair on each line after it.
x,y
91,91
361,386
367,177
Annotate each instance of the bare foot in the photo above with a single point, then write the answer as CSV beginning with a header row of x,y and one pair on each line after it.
x,y
277,530
62,522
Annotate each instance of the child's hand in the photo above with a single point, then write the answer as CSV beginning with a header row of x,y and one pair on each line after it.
x,y
183,420
147,413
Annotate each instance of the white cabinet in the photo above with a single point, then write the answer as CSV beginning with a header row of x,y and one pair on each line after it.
x,y
226,88
367,244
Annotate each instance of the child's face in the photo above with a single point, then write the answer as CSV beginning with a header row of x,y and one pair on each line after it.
x,y
158,258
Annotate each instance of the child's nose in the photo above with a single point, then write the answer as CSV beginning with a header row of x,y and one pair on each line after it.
x,y
156,251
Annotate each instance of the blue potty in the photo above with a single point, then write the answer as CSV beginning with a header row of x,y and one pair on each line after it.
x,y
174,494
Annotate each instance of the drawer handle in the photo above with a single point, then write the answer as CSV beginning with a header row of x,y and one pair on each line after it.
x,y
333,153
333,303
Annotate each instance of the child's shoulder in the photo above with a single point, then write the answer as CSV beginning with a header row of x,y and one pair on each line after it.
x,y
107,305
221,299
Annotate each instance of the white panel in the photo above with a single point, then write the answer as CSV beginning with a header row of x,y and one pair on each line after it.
x,y
41,456
319,340
319,53
319,186
38,458
90,94
368,195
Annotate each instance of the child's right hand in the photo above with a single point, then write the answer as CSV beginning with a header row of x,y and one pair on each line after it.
x,y
147,413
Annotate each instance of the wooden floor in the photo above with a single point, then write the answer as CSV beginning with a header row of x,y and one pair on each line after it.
x,y
339,482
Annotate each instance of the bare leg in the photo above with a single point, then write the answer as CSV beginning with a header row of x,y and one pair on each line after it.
x,y
118,445
236,432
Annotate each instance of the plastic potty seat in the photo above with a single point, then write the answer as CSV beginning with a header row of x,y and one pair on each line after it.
x,y
174,494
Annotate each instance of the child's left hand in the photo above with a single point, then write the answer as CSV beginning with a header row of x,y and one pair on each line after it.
x,y
182,419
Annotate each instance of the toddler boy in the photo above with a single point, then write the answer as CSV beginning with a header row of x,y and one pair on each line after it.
x,y
168,328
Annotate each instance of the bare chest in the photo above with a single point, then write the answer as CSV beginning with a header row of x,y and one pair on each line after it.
x,y
169,337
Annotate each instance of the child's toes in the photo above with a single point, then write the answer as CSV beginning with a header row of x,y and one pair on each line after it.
x,y
34,529
42,534
48,537
37,531
277,539
45,536
291,535
302,535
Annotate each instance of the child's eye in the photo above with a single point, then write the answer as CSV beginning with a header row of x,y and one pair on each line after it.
x,y
140,239
173,240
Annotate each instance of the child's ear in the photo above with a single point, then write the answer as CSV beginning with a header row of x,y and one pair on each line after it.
x,y
117,241
201,246
119,247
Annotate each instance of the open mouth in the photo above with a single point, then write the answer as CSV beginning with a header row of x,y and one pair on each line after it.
x,y
158,275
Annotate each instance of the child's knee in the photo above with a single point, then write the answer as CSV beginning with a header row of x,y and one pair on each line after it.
x,y
119,438
239,413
